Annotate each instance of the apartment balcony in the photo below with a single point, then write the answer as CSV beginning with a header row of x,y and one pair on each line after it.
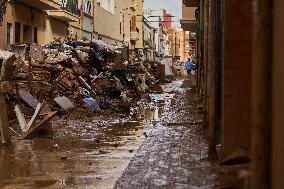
x,y
42,4
190,3
134,36
148,43
68,12
63,15
189,25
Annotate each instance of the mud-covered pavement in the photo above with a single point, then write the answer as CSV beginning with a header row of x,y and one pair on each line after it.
x,y
160,145
175,153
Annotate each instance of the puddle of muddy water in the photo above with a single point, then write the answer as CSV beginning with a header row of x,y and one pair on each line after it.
x,y
90,154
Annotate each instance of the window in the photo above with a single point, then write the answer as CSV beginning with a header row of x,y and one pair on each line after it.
x,y
120,23
70,6
88,7
17,32
10,35
35,35
108,5
28,34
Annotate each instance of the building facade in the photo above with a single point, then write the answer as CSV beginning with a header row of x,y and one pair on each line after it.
x,y
107,21
126,23
162,38
87,16
137,26
167,19
148,38
39,22
241,63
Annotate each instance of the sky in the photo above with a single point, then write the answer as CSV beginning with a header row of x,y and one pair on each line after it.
x,y
172,6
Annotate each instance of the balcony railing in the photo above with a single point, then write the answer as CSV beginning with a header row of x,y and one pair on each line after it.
x,y
63,15
189,25
69,11
70,6
42,4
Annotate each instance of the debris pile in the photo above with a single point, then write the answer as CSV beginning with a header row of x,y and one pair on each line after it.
x,y
39,81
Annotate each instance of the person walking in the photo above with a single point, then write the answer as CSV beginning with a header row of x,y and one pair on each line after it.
x,y
188,66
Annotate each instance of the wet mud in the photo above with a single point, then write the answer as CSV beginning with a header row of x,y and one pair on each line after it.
x,y
175,153
84,150
160,144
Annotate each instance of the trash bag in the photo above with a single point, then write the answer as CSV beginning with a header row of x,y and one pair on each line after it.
x,y
104,103
92,104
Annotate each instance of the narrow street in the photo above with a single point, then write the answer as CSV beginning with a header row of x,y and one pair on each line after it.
x,y
161,145
175,153
141,94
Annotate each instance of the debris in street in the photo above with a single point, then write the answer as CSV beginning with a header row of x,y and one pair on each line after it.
x,y
22,121
72,75
64,103
26,96
92,104
33,129
6,59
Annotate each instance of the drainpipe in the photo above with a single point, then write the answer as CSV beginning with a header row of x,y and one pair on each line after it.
x,y
205,61
93,19
219,71
261,94
200,44
212,79
82,14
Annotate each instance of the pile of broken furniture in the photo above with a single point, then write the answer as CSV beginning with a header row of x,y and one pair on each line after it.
x,y
40,81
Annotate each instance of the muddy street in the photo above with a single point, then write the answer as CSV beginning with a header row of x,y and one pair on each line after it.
x,y
160,144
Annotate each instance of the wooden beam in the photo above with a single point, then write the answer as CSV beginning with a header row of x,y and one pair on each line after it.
x,y
4,123
38,125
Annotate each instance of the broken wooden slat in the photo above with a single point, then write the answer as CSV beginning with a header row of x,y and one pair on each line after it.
x,y
14,131
21,118
26,96
81,79
36,114
64,103
34,128
4,123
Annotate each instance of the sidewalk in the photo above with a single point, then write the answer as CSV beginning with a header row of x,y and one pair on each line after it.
x,y
174,155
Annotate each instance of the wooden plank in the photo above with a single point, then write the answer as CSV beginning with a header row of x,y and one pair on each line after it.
x,y
26,96
4,123
65,103
21,118
36,114
38,125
